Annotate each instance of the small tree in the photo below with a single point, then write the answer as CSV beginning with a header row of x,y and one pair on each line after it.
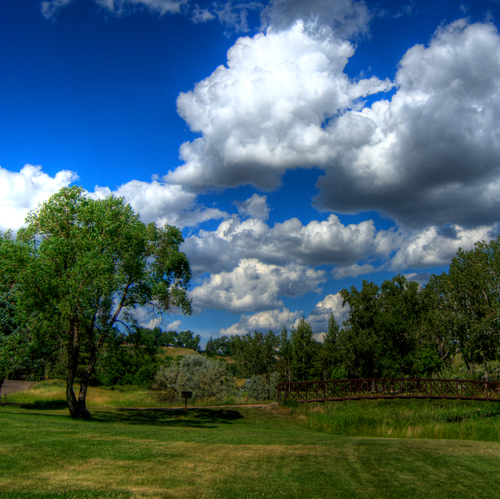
x,y
81,266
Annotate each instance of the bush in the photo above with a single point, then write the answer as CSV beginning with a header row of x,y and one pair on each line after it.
x,y
263,387
206,378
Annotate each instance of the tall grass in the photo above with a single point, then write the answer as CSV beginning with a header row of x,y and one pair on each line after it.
x,y
444,419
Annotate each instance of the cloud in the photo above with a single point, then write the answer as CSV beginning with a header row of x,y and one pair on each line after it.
x,y
429,156
434,246
347,18
154,201
23,191
317,243
201,15
255,286
319,316
421,278
162,203
255,207
353,270
235,15
267,110
174,326
50,8
273,320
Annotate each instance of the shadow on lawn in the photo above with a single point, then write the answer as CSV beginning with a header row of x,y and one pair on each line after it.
x,y
39,404
194,418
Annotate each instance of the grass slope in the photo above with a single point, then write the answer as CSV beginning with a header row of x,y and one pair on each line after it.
x,y
230,453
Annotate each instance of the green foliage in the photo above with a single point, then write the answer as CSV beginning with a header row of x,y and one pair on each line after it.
x,y
264,387
205,377
79,267
303,350
383,334
326,358
255,353
285,356
128,360
220,346
468,301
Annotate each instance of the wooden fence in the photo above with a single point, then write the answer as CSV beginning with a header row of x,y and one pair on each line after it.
x,y
388,388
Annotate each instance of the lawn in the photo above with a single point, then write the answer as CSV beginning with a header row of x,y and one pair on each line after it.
x,y
239,453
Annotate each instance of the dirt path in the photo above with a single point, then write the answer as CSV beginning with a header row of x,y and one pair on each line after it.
x,y
13,386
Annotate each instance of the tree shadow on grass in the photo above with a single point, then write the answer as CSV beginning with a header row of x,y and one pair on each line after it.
x,y
194,418
38,405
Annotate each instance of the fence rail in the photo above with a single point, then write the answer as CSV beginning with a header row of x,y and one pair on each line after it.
x,y
388,388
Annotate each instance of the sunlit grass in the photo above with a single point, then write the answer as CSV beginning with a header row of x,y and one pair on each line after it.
x,y
175,352
53,393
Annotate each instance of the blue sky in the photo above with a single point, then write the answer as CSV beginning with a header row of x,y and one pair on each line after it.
x,y
301,146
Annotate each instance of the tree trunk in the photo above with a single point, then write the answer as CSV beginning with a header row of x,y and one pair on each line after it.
x,y
77,409
84,383
486,375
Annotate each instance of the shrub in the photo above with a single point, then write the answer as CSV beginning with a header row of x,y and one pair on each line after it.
x,y
206,378
263,387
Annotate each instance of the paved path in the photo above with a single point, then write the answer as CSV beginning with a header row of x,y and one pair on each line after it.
x,y
13,386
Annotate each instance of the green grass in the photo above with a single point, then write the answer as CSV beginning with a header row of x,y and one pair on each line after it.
x,y
443,419
277,452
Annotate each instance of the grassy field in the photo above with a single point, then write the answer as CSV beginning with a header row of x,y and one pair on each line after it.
x,y
274,452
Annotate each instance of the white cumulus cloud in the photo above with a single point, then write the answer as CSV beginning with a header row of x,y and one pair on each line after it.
x,y
255,286
430,155
273,320
255,207
317,243
174,326
162,203
318,318
23,191
435,246
346,17
265,112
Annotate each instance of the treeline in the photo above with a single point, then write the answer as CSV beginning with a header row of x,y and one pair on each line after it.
x,y
396,329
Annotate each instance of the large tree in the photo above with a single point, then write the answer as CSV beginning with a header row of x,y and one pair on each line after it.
x,y
468,300
81,266
383,334
303,350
